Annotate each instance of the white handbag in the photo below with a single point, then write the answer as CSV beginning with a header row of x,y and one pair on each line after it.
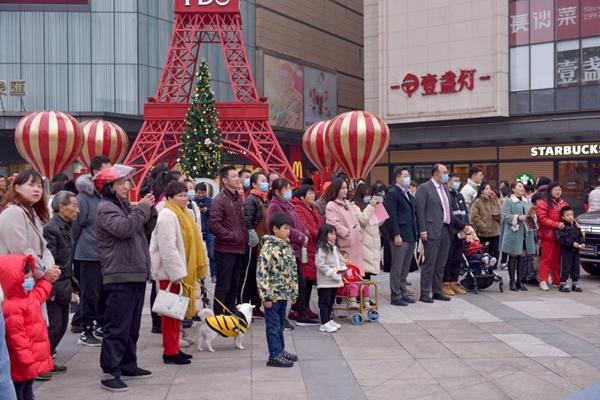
x,y
171,305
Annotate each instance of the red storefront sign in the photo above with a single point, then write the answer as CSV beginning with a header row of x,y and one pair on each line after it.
x,y
567,19
518,28
449,82
590,18
541,21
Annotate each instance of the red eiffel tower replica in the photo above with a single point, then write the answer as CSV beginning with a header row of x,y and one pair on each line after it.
x,y
244,123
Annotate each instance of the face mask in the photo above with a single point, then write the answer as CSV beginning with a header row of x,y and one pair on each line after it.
x,y
367,199
287,196
28,284
406,181
246,183
456,186
191,195
445,178
263,187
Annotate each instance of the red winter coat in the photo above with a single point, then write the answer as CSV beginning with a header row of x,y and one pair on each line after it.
x,y
549,218
311,219
26,331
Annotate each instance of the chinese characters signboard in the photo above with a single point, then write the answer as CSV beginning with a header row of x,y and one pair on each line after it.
x,y
590,18
432,84
590,65
567,67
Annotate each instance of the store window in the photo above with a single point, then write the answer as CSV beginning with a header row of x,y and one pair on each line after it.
x,y
519,68
567,63
462,170
490,173
421,173
542,66
594,174
573,177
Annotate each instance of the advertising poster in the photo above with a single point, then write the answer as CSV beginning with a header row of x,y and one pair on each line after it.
x,y
320,96
283,86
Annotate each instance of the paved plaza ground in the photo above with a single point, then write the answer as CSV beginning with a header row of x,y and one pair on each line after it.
x,y
526,345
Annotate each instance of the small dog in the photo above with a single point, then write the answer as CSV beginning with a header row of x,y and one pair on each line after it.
x,y
225,325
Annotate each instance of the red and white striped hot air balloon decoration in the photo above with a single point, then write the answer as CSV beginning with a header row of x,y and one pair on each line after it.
x,y
357,140
315,146
49,140
103,138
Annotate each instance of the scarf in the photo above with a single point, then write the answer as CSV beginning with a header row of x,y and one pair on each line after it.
x,y
194,254
263,196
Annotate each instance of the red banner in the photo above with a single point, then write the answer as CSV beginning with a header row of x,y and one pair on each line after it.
x,y
590,18
207,6
567,19
541,21
518,21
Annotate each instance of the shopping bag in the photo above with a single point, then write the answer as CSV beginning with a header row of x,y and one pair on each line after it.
x,y
171,305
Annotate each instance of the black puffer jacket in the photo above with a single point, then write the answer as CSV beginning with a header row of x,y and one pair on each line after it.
x,y
122,242
570,235
58,236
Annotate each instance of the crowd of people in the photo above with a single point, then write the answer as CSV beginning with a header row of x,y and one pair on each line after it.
x,y
260,241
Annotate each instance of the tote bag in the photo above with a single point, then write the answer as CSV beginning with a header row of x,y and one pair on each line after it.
x,y
171,305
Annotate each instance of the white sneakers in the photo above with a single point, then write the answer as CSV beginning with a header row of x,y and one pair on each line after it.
x,y
544,286
330,327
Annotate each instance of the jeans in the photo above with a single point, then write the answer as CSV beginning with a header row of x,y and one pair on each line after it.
x,y
6,385
210,247
274,324
122,320
229,274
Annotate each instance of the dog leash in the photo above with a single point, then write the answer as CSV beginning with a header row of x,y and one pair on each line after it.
x,y
221,304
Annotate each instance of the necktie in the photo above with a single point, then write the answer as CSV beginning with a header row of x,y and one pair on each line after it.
x,y
446,205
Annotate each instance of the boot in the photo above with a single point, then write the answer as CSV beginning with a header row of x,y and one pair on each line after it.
x,y
457,289
447,290
512,266
521,270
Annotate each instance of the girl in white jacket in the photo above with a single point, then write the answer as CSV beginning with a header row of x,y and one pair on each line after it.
x,y
330,264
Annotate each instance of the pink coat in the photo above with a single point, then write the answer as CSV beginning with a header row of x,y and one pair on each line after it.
x,y
349,233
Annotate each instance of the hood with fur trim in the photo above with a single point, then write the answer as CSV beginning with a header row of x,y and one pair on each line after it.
x,y
85,184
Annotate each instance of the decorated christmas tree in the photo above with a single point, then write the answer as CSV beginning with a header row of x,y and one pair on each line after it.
x,y
201,140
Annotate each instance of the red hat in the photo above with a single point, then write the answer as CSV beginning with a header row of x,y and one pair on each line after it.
x,y
112,174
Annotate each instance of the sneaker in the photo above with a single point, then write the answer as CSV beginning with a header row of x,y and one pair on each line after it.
x,y
290,356
114,385
305,321
88,339
565,288
139,373
257,313
335,324
544,286
288,326
409,299
576,288
328,328
76,328
399,302
58,369
293,315
279,362
98,333
44,377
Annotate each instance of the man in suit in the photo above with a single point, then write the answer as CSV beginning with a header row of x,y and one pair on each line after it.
x,y
402,233
434,217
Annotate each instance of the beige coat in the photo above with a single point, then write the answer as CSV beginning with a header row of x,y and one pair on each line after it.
x,y
18,235
371,240
167,249
485,216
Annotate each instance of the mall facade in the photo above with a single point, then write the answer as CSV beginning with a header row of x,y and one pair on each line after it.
x,y
101,59
509,86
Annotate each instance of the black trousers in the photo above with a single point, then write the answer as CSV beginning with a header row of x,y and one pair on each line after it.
x,y
156,320
455,260
494,245
58,315
387,256
300,305
249,288
92,299
326,300
24,390
76,288
569,264
122,320
308,286
227,289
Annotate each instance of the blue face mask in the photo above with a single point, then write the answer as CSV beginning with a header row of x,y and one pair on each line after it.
x,y
406,181
287,196
191,195
28,284
445,178
367,199
263,187
456,185
246,183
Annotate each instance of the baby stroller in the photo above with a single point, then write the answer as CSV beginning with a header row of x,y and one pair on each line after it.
x,y
356,306
479,274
